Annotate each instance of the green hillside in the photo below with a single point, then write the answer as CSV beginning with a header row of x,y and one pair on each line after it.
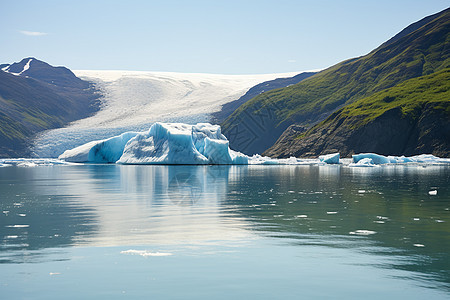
x,y
410,118
412,53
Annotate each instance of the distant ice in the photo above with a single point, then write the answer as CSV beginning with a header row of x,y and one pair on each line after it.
x,y
372,159
31,162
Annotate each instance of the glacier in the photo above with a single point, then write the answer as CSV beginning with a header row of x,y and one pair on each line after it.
x,y
134,100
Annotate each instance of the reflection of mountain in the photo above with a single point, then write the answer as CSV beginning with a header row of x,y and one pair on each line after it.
x,y
328,205
38,215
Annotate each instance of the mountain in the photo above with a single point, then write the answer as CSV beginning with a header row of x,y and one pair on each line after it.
x,y
35,96
42,71
420,49
410,118
230,107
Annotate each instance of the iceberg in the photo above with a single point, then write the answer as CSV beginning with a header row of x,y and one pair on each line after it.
x,y
163,143
330,158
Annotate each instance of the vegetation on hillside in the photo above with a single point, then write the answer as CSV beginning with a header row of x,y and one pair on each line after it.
x,y
410,118
420,52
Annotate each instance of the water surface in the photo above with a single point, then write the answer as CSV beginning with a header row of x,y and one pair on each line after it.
x,y
218,232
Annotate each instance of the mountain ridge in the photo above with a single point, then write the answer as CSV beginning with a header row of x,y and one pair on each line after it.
x,y
35,96
412,54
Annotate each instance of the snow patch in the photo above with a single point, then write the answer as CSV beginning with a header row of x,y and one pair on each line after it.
x,y
26,67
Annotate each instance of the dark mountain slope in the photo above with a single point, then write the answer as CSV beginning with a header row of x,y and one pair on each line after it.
x,y
411,118
29,105
266,86
412,54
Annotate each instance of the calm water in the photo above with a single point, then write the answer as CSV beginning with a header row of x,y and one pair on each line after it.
x,y
224,232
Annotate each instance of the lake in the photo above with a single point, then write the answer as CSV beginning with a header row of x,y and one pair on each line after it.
x,y
224,232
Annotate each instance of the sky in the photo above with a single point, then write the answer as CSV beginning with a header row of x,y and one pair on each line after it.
x,y
223,37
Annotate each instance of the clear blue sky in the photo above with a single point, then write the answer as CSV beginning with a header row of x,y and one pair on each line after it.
x,y
228,37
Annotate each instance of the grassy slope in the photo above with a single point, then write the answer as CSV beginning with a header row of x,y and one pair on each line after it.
x,y
409,118
410,96
421,52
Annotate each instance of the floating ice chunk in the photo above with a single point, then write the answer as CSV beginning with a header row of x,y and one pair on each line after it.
x,y
432,193
378,159
262,160
102,151
330,158
364,162
362,232
145,253
375,158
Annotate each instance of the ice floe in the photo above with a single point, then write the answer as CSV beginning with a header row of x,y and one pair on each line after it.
x,y
31,162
